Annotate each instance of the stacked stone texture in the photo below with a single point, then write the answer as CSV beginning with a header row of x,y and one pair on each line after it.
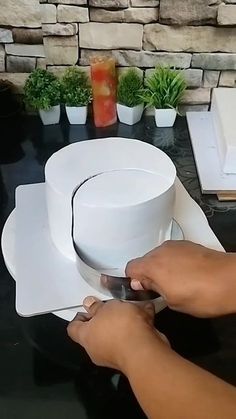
x,y
198,36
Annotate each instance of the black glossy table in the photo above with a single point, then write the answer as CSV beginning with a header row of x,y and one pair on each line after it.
x,y
43,373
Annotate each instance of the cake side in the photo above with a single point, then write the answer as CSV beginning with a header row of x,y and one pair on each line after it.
x,y
121,215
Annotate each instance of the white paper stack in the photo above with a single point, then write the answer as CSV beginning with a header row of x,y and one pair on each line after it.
x,y
213,137
223,111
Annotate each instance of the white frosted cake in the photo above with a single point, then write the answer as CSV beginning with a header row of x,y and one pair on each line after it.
x,y
120,215
117,194
223,112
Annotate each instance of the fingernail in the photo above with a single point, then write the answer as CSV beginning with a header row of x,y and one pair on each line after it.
x,y
136,285
89,301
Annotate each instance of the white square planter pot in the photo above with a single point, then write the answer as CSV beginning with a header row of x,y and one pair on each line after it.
x,y
129,116
77,115
165,117
52,116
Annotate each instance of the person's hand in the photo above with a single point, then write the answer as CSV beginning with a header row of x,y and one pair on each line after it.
x,y
191,278
111,332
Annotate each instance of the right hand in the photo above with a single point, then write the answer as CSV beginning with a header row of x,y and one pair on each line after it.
x,y
191,278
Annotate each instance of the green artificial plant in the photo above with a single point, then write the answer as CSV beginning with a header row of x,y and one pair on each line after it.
x,y
42,90
164,88
76,89
130,88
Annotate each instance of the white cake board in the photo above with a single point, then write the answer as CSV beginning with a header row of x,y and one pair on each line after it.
x,y
46,281
204,143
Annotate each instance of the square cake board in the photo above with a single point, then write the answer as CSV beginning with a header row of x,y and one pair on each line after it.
x,y
204,143
46,281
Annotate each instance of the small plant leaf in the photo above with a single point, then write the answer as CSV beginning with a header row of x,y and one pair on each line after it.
x,y
164,88
76,89
130,88
42,90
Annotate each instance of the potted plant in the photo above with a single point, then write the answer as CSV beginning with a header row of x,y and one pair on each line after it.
x,y
129,96
164,90
43,92
76,95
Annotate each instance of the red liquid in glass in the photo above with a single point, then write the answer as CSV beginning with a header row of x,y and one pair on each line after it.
x,y
104,81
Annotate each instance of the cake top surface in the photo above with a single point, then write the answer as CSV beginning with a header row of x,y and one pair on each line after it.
x,y
69,167
121,188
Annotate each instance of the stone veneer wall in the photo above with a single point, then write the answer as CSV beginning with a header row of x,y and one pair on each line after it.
x,y
196,35
21,40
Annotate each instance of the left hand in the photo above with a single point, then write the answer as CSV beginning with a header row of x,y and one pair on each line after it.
x,y
112,331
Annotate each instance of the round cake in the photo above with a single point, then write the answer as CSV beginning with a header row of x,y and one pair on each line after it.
x,y
117,193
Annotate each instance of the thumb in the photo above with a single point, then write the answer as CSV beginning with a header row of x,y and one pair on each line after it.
x,y
145,284
92,305
134,269
142,269
142,272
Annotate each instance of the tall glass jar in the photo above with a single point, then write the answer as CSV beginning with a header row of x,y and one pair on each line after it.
x,y
104,83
